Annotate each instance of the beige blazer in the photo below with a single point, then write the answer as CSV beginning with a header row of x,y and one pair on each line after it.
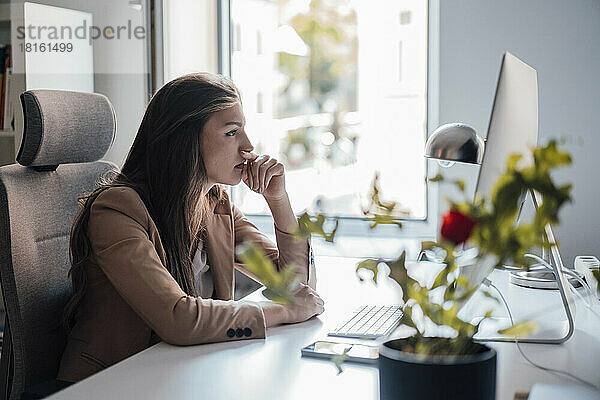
x,y
132,302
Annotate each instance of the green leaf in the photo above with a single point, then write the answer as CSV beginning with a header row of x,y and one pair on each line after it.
x,y
437,178
513,160
376,200
550,156
280,286
449,292
465,294
276,297
370,264
428,245
441,279
381,212
487,294
399,273
520,329
460,184
406,318
339,359
309,225
379,219
398,269
462,282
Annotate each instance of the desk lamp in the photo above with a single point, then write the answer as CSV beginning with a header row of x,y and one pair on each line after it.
x,y
455,142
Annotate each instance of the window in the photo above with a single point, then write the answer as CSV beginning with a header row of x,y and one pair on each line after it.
x,y
342,87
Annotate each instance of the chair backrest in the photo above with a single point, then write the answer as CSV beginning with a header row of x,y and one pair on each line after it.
x,y
65,134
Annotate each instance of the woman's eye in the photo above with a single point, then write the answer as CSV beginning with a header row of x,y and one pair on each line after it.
x,y
231,133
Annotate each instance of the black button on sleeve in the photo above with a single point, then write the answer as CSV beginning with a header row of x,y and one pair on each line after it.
x,y
230,333
239,332
247,332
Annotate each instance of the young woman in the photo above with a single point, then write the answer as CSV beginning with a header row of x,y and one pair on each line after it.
x,y
153,248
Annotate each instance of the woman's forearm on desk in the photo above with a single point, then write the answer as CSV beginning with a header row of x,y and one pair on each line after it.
x,y
274,313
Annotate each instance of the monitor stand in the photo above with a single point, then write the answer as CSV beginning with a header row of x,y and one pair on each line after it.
x,y
549,332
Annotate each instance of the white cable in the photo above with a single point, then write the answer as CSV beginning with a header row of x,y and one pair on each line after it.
x,y
549,370
545,264
571,287
585,285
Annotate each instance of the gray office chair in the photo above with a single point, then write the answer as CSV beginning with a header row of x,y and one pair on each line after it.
x,y
64,136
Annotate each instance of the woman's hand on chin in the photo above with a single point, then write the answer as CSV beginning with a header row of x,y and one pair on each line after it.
x,y
265,175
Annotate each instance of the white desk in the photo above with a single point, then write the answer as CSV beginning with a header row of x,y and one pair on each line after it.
x,y
273,368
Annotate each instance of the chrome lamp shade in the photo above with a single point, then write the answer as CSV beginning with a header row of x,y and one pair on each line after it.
x,y
455,142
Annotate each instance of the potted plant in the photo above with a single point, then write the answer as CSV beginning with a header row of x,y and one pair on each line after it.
x,y
449,365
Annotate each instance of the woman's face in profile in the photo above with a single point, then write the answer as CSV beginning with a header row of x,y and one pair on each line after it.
x,y
223,140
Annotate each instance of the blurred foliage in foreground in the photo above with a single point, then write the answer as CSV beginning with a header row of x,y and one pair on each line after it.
x,y
490,226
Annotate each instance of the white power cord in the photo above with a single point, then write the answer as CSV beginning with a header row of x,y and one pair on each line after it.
x,y
569,272
557,372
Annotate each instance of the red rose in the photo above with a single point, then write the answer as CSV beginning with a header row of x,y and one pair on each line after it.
x,y
457,227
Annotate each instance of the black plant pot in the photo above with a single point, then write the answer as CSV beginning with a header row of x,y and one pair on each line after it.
x,y
405,375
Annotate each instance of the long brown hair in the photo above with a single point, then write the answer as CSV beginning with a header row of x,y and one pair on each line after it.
x,y
165,167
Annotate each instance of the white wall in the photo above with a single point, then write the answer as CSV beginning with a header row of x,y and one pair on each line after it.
x,y
120,66
561,39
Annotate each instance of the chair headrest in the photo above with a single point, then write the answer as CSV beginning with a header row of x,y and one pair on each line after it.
x,y
63,127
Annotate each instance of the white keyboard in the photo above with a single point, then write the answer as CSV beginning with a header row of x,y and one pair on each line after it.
x,y
369,322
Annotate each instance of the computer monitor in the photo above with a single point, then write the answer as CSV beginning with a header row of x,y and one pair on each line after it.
x,y
513,128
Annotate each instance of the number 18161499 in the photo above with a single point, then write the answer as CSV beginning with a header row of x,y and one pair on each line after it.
x,y
46,47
